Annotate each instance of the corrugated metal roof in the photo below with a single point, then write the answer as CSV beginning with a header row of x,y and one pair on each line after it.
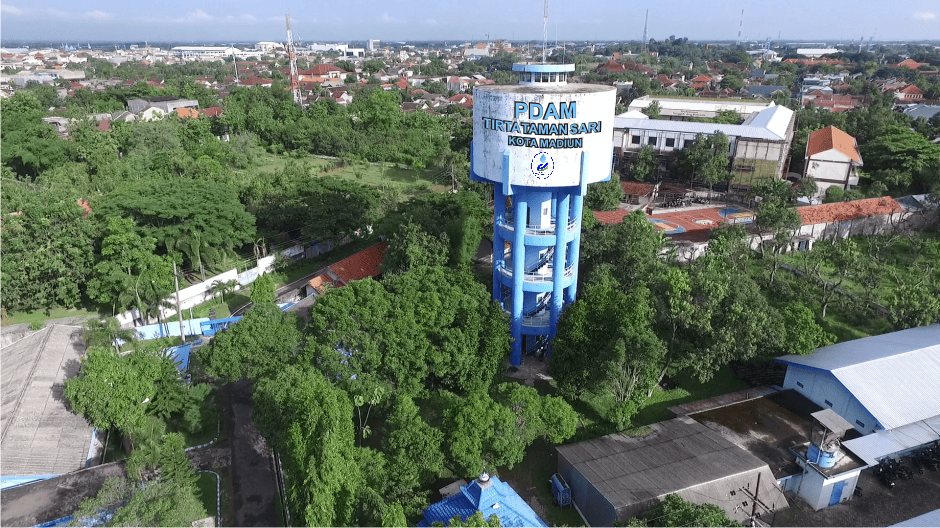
x,y
776,119
883,443
678,456
926,520
496,498
894,376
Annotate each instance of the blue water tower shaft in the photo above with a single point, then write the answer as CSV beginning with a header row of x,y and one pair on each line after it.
x,y
540,143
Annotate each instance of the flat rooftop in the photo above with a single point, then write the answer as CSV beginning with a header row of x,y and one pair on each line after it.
x,y
767,426
40,435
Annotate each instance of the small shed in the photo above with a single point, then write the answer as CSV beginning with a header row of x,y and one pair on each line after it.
x,y
488,495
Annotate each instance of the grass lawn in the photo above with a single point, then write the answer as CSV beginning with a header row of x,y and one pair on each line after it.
x,y
382,174
39,316
206,489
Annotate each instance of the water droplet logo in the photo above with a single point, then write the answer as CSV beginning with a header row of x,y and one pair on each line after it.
x,y
542,165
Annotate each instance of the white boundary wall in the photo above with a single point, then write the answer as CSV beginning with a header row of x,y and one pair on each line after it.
x,y
202,292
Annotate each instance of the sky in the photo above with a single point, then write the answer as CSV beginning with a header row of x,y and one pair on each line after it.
x,y
73,21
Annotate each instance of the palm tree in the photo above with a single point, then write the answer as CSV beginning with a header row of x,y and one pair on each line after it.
x,y
105,332
221,288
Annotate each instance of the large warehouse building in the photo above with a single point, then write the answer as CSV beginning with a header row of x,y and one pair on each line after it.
x,y
887,387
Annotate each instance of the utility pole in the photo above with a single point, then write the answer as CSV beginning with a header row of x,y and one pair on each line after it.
x,y
544,31
179,307
646,26
754,501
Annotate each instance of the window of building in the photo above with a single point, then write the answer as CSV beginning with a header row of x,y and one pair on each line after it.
x,y
829,403
651,141
800,385
687,143
636,139
859,423
670,142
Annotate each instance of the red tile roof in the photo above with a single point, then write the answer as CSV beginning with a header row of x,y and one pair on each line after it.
x,y
187,113
910,63
213,111
611,217
845,211
831,138
103,126
636,188
361,265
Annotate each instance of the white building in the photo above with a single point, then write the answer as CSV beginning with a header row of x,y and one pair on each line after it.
x,y
681,109
882,385
832,159
815,53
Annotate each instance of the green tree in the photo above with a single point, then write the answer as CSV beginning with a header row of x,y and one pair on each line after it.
x,y
310,423
185,215
410,247
47,241
626,353
262,343
633,249
537,416
112,391
830,264
604,196
914,301
481,435
645,164
706,159
263,290
673,510
162,503
104,333
414,451
653,111
776,219
394,516
335,208
802,334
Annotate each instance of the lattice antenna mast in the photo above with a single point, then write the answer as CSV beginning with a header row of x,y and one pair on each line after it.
x,y
646,26
741,25
544,31
292,57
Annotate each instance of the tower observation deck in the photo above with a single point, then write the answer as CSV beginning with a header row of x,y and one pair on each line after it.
x,y
541,143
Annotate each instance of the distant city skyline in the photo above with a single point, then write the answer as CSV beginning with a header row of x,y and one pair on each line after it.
x,y
397,20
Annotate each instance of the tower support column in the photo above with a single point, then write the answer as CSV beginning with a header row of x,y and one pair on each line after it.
x,y
559,259
519,216
499,246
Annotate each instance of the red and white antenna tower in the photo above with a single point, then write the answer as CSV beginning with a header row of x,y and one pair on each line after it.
x,y
294,78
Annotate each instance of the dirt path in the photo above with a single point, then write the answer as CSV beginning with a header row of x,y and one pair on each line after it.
x,y
254,485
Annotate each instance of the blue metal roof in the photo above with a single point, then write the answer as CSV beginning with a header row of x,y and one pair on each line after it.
x,y
894,376
491,498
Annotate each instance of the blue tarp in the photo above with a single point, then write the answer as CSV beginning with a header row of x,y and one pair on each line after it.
x,y
213,326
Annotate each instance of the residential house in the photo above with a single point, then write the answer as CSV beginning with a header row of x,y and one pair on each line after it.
x,y
764,91
832,160
165,104
457,84
909,93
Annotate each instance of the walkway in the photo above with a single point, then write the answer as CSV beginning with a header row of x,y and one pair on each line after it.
x,y
254,484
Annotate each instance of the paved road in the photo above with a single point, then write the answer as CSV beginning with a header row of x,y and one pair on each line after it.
x,y
254,484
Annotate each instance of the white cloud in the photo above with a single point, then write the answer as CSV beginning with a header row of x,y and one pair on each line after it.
x,y
925,15
388,19
7,9
431,22
248,16
98,15
198,15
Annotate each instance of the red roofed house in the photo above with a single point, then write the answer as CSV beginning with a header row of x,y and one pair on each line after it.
x,y
832,159
909,93
187,113
362,265
910,63
844,219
